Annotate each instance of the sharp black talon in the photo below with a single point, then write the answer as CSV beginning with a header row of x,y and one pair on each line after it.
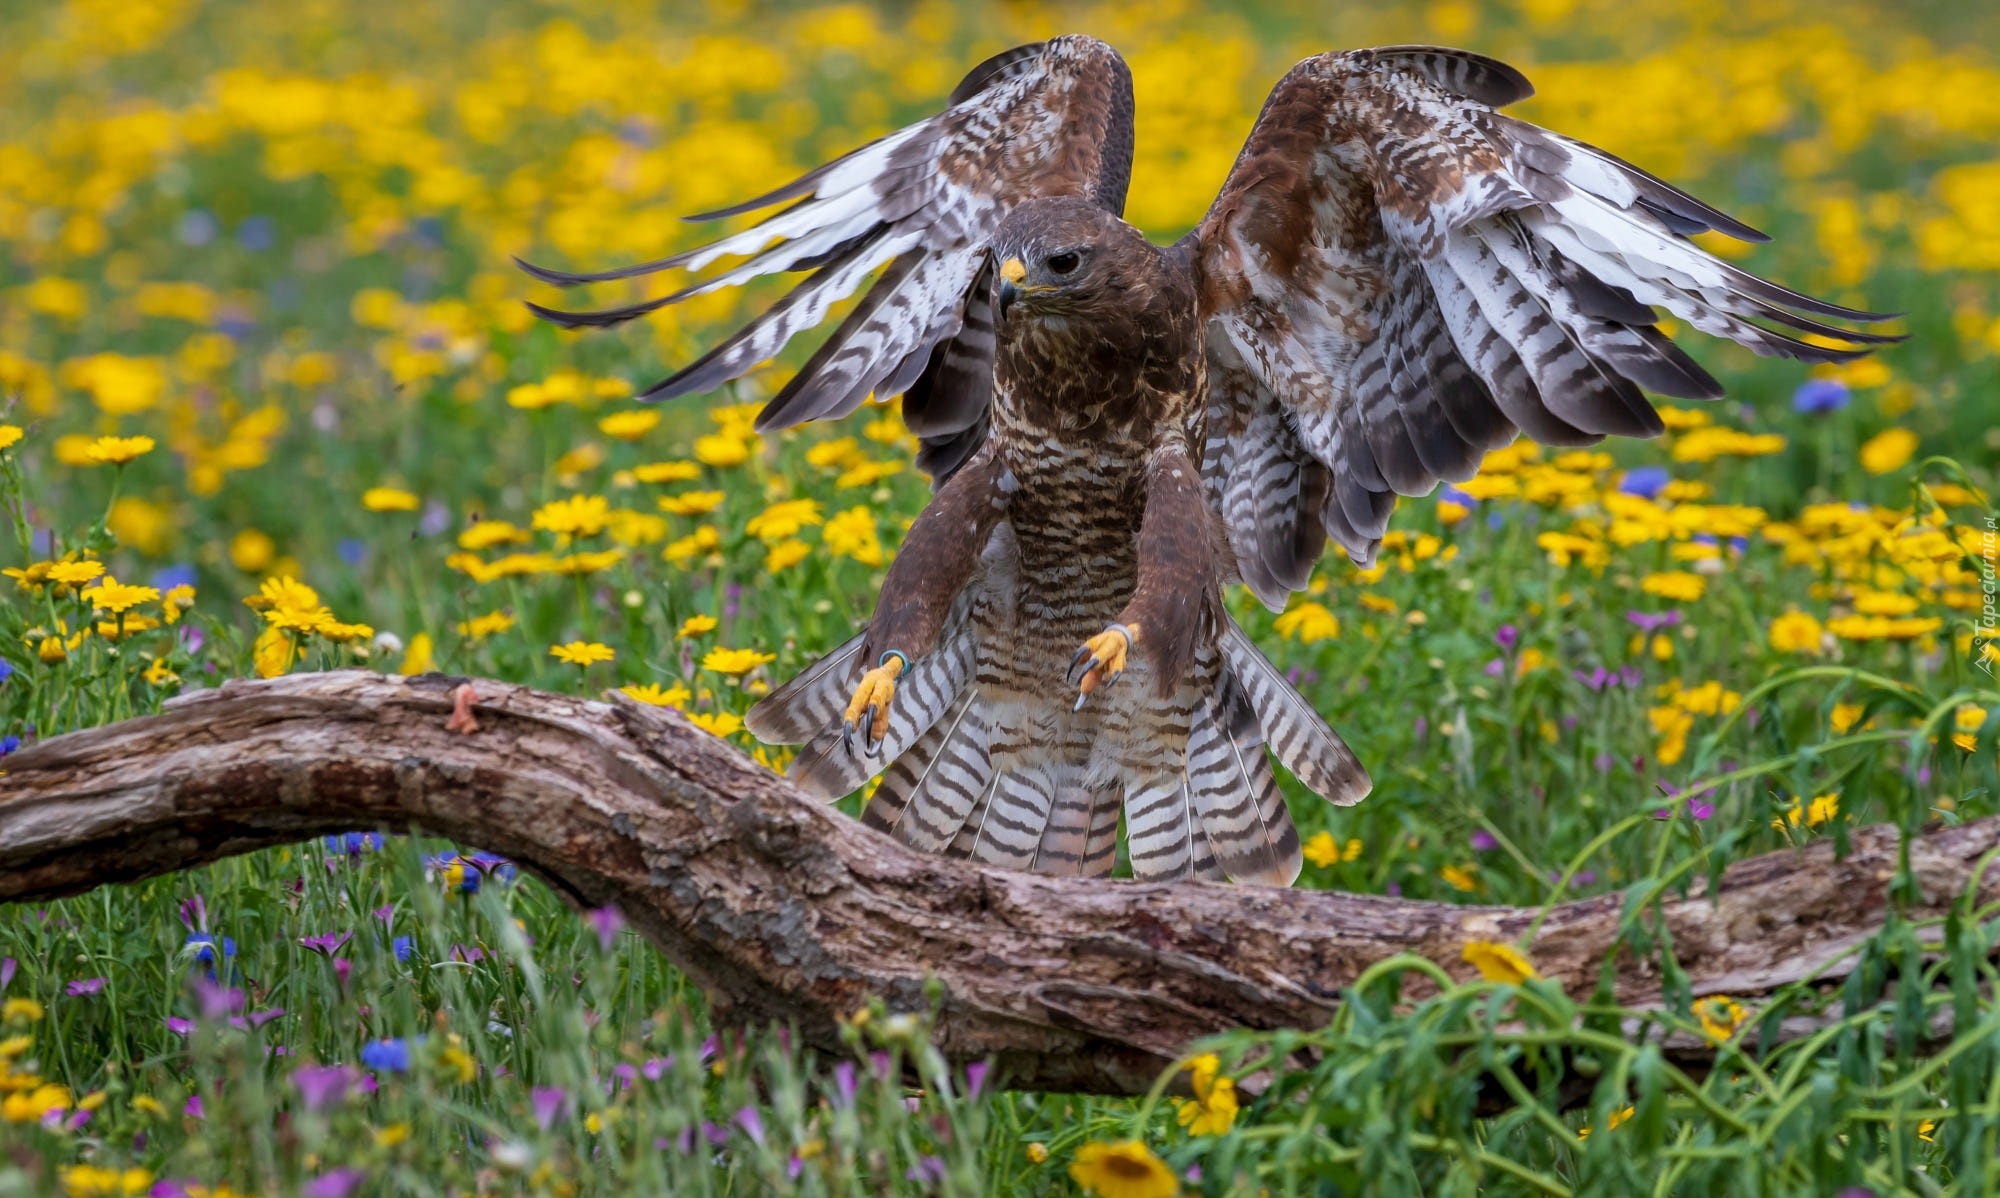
x,y
1070,677
847,737
869,745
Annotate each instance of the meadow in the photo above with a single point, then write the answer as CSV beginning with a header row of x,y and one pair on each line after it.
x,y
270,401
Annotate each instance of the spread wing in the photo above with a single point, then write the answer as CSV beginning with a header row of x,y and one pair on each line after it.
x,y
1397,278
920,205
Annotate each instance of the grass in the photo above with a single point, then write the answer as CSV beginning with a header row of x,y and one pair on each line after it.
x,y
278,247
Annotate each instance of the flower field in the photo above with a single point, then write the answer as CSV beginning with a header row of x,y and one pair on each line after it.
x,y
271,401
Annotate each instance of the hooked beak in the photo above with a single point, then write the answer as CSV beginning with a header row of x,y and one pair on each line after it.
x,y
1012,271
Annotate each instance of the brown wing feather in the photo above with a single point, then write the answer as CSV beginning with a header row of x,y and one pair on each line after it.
x,y
1414,276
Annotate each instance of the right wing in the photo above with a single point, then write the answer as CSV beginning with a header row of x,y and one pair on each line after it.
x,y
1047,119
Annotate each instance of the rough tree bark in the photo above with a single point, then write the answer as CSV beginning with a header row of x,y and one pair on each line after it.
x,y
783,909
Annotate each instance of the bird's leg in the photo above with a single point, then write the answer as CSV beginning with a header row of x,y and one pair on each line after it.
x,y
869,709
1102,659
937,560
1176,587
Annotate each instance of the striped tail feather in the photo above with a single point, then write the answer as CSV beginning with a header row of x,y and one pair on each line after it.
x,y
1304,742
929,792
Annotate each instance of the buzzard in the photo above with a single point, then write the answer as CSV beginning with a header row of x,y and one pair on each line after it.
x,y
1395,278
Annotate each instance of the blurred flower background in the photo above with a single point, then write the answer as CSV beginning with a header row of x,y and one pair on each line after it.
x,y
270,401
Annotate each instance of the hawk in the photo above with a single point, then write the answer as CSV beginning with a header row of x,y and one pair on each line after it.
x,y
1395,278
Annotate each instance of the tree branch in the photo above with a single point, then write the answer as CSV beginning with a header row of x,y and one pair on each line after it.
x,y
783,909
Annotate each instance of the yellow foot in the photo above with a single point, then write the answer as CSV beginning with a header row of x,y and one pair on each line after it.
x,y
869,709
1102,659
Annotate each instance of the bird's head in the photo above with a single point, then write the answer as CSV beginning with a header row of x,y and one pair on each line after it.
x,y
1063,258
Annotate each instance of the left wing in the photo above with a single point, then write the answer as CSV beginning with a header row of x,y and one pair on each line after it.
x,y
1397,278
1047,119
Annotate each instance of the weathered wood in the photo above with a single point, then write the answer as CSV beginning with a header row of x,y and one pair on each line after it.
x,y
783,909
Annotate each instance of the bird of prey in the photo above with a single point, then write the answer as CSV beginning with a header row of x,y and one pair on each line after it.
x,y
1395,278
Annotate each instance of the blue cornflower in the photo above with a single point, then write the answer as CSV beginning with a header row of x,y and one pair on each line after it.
x,y
204,945
6,669
9,744
167,579
257,233
402,946
1821,395
387,1056
1645,481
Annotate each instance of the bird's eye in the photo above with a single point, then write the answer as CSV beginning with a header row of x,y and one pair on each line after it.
x,y
1063,263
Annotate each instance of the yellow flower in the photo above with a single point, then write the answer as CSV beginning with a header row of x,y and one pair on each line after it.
x,y
1212,1112
1678,585
1796,632
586,563
1036,1152
9,434
392,1135
1459,878
284,593
690,503
838,454
114,596
783,519
29,1106
158,674
480,627
577,516
1888,450
389,499
722,450
1310,622
866,474
149,1105
735,661
488,533
1720,1015
75,573
1322,850
119,450
94,1181
582,653
695,625
1127,1169
1844,717
722,723
1925,1130
786,554
1498,962
702,540
20,1010
652,694
629,426
1967,722
667,472
274,652
417,658
1611,1122
852,534
251,550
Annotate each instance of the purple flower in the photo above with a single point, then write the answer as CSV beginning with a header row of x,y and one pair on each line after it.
x,y
608,923
1482,840
387,1056
322,1086
751,1122
549,1102
193,1108
975,1079
386,914
1701,809
1598,679
845,1082
7,967
194,913
179,1026
1496,668
929,1170
656,1068
192,638
341,1183
83,987
1507,636
1821,395
1650,622
1645,481
327,943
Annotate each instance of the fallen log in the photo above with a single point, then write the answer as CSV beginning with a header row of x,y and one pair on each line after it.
x,y
785,910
